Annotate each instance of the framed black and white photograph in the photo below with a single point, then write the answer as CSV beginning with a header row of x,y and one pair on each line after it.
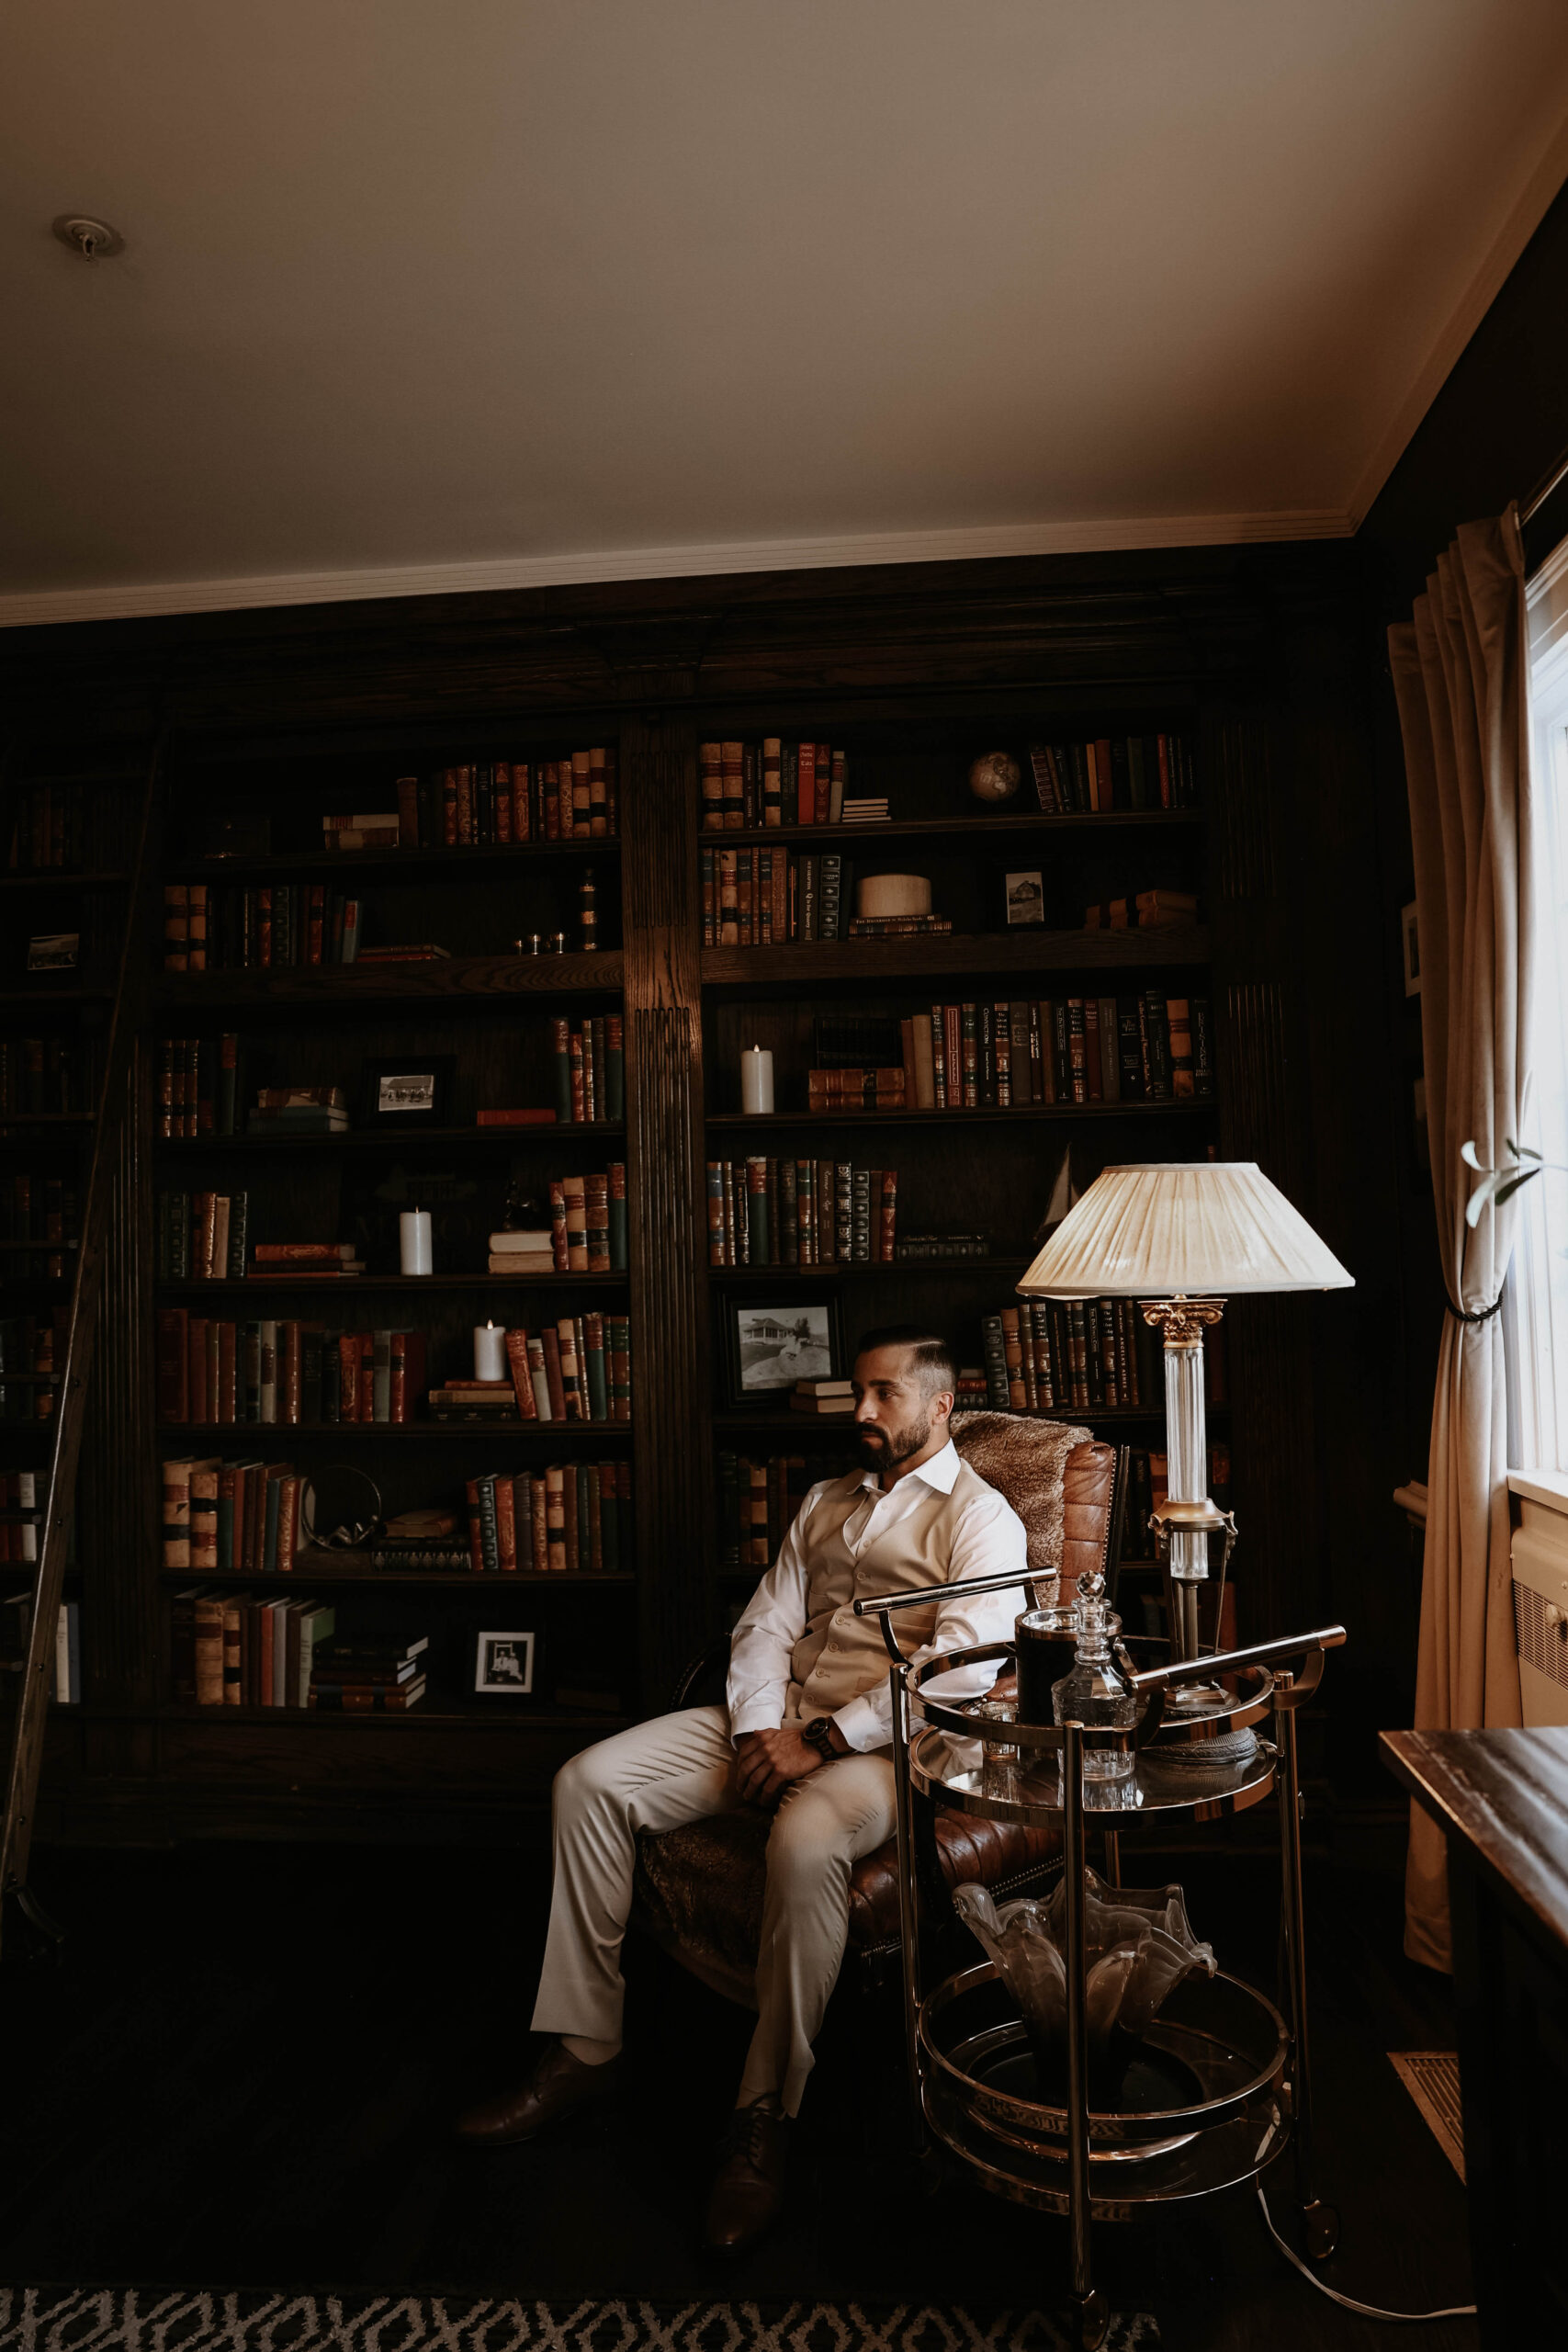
x,y
412,1093
53,951
503,1665
1026,899
770,1348
1411,945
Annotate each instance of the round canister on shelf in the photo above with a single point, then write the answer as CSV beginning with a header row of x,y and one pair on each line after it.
x,y
883,898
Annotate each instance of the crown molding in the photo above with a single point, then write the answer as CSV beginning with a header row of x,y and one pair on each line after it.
x,y
1523,218
140,600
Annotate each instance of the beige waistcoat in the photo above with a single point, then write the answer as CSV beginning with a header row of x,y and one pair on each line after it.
x,y
839,1654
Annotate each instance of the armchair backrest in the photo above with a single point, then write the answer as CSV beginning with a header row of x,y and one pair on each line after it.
x,y
1067,1487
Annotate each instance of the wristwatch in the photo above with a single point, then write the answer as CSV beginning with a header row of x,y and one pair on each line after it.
x,y
818,1733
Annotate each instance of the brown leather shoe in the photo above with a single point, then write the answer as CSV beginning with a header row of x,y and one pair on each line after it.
x,y
558,2087
749,2186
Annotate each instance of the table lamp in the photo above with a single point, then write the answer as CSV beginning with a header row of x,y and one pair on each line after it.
x,y
1182,1237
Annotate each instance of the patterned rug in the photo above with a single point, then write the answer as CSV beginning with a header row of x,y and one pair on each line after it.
x,y
187,2319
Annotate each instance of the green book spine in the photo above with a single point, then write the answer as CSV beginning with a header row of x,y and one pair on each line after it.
x,y
598,1386
239,1220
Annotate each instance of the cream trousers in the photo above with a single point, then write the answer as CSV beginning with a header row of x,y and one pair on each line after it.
x,y
679,1769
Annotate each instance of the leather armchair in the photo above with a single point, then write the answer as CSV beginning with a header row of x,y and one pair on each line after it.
x,y
699,1889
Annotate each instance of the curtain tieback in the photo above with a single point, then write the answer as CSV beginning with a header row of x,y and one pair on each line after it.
x,y
1481,1314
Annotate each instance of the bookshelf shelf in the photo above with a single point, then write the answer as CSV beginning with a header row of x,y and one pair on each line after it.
x,y
730,1425
498,1581
458,1432
379,1139
799,1120
405,864
450,982
432,1284
971,829
877,1270
849,961
504,1715
57,878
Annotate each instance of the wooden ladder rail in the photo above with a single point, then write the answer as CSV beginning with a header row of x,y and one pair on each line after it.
x,y
114,1106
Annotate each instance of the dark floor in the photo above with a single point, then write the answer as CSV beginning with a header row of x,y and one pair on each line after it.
x,y
244,2073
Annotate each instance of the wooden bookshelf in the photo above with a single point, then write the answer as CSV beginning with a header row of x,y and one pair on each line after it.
x,y
916,670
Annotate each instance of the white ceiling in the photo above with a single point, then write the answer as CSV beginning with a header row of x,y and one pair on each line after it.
x,y
453,293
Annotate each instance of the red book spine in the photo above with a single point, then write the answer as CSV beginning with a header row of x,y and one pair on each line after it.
x,y
476,1534
449,808
552,1372
806,784
315,922
521,1382
366,1350
196,1357
397,1378
465,807
264,927
289,1348
503,800
824,796
578,1079
521,828
886,1229
552,799
348,1376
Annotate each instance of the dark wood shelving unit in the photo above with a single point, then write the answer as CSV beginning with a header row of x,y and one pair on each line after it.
x,y
840,963
57,878
499,1581
916,669
359,1139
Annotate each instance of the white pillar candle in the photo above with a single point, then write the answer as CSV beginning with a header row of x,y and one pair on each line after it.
x,y
415,1249
490,1352
756,1080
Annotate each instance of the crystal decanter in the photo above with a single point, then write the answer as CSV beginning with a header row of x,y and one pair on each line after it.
x,y
1092,1694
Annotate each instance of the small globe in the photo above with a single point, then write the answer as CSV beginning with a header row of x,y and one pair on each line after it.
x,y
994,776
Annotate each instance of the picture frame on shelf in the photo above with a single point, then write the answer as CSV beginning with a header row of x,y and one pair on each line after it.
x,y
402,1091
769,1347
503,1665
1026,897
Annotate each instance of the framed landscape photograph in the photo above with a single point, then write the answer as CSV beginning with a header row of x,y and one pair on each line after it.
x,y
1026,897
770,1348
503,1665
413,1091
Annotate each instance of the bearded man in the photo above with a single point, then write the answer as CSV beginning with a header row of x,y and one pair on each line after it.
x,y
804,1734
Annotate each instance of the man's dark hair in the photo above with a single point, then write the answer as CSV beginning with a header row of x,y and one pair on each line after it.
x,y
934,1357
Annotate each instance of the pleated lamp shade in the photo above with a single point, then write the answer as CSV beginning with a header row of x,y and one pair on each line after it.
x,y
1206,1228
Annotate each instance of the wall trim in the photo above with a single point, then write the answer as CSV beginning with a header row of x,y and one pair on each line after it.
x,y
141,600
1518,226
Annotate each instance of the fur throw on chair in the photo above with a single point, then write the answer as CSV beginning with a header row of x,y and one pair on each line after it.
x,y
1026,1461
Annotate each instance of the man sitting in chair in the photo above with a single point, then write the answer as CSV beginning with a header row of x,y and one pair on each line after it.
x,y
805,1735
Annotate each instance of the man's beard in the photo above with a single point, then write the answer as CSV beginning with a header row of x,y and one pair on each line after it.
x,y
885,1448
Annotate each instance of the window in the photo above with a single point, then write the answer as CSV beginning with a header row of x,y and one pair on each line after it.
x,y
1538,1437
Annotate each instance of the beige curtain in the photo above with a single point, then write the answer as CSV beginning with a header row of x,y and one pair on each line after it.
x,y
1459,679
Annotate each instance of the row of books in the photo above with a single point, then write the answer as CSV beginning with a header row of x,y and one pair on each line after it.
x,y
265,1372
16,1631
771,897
33,1349
1079,1049
490,804
39,1213
746,785
200,1089
41,1076
280,926
1154,909
1106,773
763,1211
20,1490
586,1234
47,830
575,1369
246,1515
569,1519
1148,1485
200,1237
1082,1355
233,1649
757,1499
590,1070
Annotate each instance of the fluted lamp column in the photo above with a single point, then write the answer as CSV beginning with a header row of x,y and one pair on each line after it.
x,y
1182,1236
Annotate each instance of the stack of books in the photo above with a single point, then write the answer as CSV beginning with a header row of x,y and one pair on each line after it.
x,y
427,951
870,811
374,832
312,1262
822,1396
943,1245
526,1255
882,1088
299,1111
473,1400
367,1678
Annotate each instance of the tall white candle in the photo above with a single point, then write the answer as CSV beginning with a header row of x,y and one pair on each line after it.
x,y
756,1080
490,1352
415,1252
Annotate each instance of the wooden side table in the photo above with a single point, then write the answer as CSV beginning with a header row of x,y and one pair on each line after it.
x,y
1501,1799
